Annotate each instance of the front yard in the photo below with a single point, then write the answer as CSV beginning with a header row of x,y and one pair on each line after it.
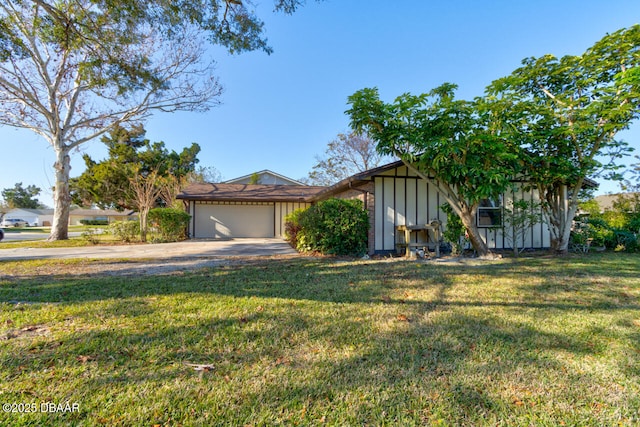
x,y
305,341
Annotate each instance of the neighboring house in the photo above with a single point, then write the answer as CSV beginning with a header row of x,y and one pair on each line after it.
x,y
605,201
392,195
35,217
109,215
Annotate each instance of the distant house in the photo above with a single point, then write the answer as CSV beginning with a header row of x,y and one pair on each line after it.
x,y
76,216
606,201
35,217
393,195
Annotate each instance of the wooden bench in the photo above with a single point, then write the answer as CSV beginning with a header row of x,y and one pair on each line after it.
x,y
431,231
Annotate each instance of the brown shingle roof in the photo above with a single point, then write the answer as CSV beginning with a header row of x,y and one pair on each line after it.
x,y
249,192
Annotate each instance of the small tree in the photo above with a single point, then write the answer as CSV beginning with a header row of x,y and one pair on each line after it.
x,y
145,190
518,216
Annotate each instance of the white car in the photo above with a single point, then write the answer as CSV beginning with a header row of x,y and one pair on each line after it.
x,y
14,222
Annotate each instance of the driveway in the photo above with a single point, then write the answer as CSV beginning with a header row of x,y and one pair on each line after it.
x,y
188,249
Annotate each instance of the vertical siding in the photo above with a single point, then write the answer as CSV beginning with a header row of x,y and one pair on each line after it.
x,y
401,198
282,209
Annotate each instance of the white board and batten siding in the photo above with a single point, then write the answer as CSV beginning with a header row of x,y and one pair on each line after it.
x,y
227,220
403,198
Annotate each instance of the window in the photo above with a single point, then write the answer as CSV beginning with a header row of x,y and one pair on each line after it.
x,y
489,213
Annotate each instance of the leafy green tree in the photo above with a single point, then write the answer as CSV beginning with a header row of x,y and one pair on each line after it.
x,y
565,113
455,145
137,174
73,70
345,156
22,197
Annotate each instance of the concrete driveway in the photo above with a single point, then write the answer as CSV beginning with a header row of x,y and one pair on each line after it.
x,y
186,249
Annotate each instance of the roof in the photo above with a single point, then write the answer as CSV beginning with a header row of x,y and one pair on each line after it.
x,y
606,200
356,180
34,211
266,177
285,193
249,192
362,178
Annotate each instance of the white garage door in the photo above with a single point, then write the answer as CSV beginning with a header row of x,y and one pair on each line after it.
x,y
227,221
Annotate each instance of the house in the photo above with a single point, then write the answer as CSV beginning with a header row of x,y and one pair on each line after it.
x,y
77,216
392,194
606,201
35,217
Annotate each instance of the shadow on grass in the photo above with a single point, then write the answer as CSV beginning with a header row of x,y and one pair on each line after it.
x,y
414,373
352,343
605,280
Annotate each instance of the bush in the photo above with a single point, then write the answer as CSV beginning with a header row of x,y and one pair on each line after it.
x,y
94,222
125,231
334,226
171,223
454,232
602,233
91,235
292,227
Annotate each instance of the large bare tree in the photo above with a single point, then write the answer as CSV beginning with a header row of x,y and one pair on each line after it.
x,y
71,70
346,155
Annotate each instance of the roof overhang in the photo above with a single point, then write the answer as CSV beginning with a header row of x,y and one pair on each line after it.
x,y
224,192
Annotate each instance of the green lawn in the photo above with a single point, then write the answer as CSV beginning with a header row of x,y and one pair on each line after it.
x,y
305,341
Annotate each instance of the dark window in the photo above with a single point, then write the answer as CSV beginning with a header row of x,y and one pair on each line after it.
x,y
489,213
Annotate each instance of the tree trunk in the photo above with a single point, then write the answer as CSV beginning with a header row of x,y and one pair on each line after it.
x,y
478,243
61,195
466,213
144,212
560,210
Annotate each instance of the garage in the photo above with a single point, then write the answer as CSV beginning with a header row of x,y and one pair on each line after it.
x,y
227,211
225,221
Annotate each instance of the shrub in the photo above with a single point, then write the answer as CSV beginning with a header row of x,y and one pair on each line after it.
x,y
125,231
94,222
334,226
454,232
292,227
171,223
91,235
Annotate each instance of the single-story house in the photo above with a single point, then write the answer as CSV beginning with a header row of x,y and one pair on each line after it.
x,y
76,216
35,217
392,194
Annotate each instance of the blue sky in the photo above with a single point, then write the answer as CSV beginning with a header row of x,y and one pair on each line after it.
x,y
278,111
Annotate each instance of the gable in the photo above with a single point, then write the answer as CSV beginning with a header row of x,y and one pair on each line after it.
x,y
265,177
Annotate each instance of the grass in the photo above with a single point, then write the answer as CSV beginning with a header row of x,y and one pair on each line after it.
x,y
91,238
304,341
